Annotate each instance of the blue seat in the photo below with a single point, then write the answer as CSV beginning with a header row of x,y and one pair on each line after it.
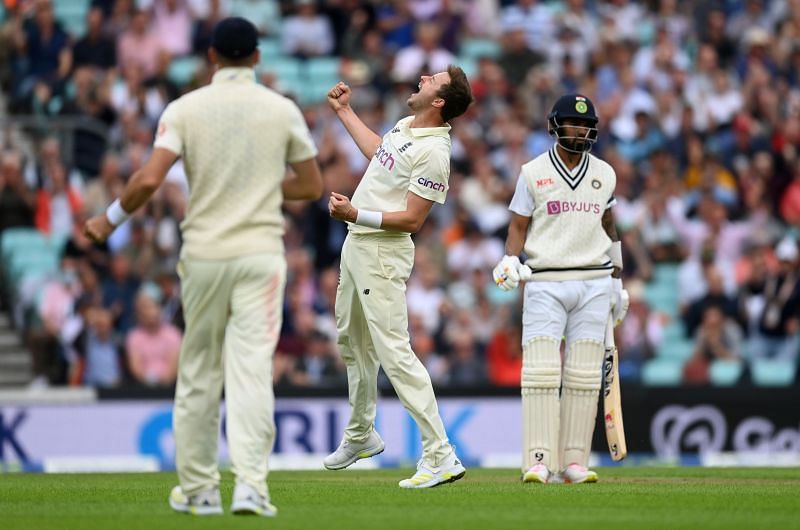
x,y
663,372
14,240
44,260
772,372
724,372
680,349
286,69
323,67
183,69
269,48
478,48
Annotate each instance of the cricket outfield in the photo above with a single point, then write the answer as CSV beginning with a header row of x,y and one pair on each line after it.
x,y
485,499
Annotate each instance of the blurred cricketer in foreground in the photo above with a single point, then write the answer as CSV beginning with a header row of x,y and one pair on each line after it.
x,y
408,172
562,218
236,138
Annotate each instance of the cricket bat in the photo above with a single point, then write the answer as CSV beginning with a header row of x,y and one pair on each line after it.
x,y
612,399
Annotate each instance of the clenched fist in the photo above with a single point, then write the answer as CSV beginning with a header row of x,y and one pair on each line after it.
x,y
339,96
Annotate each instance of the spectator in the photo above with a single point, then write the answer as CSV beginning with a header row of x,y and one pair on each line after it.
x,y
779,324
152,347
173,24
535,17
17,202
46,49
423,57
119,292
718,338
138,47
307,33
517,59
101,355
95,49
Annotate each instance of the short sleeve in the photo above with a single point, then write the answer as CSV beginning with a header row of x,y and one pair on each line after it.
x,y
301,145
168,134
430,174
522,202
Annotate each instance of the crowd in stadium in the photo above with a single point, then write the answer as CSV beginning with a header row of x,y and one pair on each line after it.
x,y
699,106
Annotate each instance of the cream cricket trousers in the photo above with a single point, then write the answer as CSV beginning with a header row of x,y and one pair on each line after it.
x,y
372,321
233,305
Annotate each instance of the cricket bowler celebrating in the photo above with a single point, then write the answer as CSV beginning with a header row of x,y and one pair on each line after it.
x,y
561,217
236,138
408,172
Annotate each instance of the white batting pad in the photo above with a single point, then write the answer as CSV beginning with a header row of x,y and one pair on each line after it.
x,y
541,379
582,375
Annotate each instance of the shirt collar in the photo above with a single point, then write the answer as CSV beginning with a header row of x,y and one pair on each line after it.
x,y
238,74
419,132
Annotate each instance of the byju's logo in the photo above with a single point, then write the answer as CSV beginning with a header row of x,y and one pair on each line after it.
x,y
435,186
559,207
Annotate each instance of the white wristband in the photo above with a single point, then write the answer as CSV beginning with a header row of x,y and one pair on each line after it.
x,y
369,218
615,254
115,214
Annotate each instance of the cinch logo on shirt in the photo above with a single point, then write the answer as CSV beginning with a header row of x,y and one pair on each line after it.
x,y
385,158
558,207
435,186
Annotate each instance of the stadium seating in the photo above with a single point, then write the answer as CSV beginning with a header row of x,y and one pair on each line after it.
x,y
676,349
72,15
269,49
183,69
663,371
725,372
772,372
16,241
477,48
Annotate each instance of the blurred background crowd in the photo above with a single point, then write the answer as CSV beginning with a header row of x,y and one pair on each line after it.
x,y
699,105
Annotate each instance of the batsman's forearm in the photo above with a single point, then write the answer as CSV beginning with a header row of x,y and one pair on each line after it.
x,y
515,241
140,188
366,140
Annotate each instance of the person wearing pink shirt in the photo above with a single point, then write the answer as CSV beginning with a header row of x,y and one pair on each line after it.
x,y
153,345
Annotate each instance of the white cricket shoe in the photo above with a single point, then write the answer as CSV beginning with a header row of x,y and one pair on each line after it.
x,y
578,474
538,473
206,502
427,476
349,452
247,501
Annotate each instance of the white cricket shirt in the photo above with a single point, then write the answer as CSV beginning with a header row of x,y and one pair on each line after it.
x,y
415,160
235,137
566,239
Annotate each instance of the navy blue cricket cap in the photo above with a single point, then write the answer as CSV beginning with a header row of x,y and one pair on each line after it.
x,y
235,38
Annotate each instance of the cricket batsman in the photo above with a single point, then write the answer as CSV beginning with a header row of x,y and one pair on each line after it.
x,y
562,218
408,172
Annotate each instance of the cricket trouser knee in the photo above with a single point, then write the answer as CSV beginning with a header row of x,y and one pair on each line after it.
x,y
582,376
541,379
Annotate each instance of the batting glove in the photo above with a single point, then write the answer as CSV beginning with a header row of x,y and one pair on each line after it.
x,y
508,273
619,301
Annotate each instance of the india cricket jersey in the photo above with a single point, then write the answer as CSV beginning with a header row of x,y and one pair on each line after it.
x,y
235,137
566,239
415,160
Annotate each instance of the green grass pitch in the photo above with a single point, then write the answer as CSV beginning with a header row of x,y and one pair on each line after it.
x,y
486,499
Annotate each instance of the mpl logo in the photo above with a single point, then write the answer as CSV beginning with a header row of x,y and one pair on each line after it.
x,y
544,182
435,186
